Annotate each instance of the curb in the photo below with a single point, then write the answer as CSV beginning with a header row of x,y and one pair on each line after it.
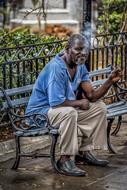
x,y
29,144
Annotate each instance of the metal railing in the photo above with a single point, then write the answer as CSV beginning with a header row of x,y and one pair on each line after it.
x,y
21,65
109,49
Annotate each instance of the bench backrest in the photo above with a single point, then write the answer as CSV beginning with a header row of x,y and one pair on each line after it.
x,y
17,97
98,77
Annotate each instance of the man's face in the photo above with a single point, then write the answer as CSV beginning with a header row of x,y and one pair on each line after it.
x,y
78,52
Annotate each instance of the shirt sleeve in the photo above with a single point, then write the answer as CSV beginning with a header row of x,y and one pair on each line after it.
x,y
85,74
56,90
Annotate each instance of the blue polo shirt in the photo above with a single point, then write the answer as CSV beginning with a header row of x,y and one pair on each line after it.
x,y
54,85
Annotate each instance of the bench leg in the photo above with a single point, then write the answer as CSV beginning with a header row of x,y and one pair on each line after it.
x,y
108,136
52,153
118,126
17,160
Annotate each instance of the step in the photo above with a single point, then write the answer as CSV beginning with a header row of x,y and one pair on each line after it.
x,y
31,144
52,14
69,23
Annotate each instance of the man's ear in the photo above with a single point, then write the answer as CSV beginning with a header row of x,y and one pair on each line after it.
x,y
67,49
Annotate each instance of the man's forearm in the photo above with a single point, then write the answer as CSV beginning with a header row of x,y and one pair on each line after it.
x,y
71,103
100,92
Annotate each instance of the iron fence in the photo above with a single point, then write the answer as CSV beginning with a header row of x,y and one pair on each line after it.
x,y
109,49
21,65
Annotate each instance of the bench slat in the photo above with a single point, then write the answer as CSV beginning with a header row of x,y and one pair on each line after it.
x,y
98,82
115,104
117,108
19,90
117,112
100,72
16,102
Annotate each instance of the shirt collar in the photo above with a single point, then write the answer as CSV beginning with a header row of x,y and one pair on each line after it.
x,y
60,60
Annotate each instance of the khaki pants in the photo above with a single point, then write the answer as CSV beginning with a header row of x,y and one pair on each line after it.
x,y
90,124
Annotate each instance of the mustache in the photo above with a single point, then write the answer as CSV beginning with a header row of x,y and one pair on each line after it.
x,y
85,56
81,58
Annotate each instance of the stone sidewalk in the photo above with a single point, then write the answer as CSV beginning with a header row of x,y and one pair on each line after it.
x,y
7,148
37,174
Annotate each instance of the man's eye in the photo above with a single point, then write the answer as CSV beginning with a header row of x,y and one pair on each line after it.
x,y
79,49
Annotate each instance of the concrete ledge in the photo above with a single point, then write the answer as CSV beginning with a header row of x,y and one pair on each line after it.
x,y
69,23
32,22
56,11
7,148
51,14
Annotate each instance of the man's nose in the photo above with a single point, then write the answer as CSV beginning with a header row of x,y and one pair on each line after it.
x,y
83,52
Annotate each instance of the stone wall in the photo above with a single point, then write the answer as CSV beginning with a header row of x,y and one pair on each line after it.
x,y
49,3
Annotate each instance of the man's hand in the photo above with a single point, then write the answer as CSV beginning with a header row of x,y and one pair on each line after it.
x,y
84,104
115,75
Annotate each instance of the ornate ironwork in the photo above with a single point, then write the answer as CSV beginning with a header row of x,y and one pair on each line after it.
x,y
21,65
109,40
34,51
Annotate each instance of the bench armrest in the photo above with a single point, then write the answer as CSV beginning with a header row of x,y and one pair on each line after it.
x,y
121,88
29,122
119,91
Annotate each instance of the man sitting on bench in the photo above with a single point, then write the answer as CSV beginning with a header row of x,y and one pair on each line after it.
x,y
54,94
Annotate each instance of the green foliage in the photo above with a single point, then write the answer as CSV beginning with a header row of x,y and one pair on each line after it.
x,y
111,17
115,21
22,36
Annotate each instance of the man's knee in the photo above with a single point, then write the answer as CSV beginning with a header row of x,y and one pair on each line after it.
x,y
71,112
62,113
101,107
